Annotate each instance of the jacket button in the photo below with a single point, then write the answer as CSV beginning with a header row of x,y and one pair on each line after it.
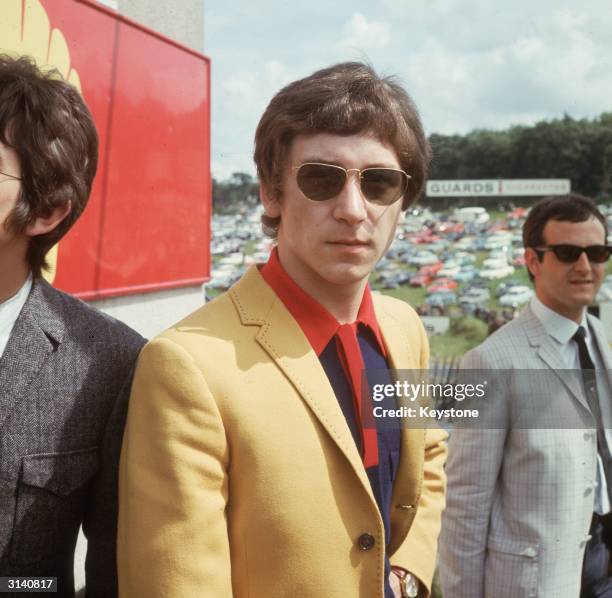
x,y
366,541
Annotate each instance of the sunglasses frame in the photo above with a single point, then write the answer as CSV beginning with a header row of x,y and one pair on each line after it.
x,y
554,248
346,178
10,176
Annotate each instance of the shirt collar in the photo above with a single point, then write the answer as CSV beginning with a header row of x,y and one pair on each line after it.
x,y
562,329
317,324
10,310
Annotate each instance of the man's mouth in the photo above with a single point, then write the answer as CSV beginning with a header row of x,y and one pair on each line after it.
x,y
581,282
350,242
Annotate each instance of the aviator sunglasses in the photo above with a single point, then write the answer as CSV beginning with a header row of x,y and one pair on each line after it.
x,y
568,254
320,182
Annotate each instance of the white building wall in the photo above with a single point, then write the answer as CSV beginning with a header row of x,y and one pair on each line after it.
x,y
180,20
151,313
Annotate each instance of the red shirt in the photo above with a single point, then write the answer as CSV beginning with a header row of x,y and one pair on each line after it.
x,y
317,324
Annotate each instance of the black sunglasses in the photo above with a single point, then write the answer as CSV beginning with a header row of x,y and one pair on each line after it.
x,y
320,182
568,254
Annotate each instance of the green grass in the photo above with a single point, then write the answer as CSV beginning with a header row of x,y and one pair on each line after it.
x,y
412,296
249,247
463,334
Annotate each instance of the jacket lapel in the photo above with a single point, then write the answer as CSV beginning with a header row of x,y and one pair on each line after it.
x,y
401,340
36,333
603,347
283,340
544,346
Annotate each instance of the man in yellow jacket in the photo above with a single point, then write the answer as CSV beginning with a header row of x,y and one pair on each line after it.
x,y
250,467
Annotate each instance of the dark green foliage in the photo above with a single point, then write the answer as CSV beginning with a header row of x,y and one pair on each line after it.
x,y
580,150
235,194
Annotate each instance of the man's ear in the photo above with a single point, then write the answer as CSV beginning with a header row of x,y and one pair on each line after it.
x,y
41,226
270,202
532,261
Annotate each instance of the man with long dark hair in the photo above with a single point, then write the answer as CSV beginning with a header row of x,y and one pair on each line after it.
x,y
64,367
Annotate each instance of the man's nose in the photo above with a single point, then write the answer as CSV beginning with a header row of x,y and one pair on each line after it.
x,y
583,264
350,205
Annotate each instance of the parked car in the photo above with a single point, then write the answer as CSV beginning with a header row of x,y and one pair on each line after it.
x,y
450,268
423,258
605,292
497,241
465,258
495,261
505,286
421,280
516,296
441,285
442,299
431,269
500,269
466,274
475,296
466,244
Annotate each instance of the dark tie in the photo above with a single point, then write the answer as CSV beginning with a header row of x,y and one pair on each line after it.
x,y
590,388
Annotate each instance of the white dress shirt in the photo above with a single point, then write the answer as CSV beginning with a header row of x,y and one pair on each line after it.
x,y
562,329
10,310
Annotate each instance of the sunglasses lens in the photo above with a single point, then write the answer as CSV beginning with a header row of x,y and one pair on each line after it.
x,y
598,254
320,182
383,185
567,253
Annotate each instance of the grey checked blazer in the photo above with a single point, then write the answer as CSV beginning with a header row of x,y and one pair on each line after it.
x,y
64,384
520,501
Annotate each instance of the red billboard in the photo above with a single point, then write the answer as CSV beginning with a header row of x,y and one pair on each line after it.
x,y
147,225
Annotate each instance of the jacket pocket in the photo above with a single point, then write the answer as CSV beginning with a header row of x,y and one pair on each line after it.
x,y
51,496
511,568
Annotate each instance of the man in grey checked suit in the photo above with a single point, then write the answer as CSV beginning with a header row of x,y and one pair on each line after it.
x,y
64,367
526,507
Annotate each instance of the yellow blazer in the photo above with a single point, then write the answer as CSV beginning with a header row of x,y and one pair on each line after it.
x,y
239,475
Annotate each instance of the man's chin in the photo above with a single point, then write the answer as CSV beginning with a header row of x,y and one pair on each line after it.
x,y
347,275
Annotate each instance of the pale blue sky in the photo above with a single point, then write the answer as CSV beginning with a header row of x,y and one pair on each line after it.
x,y
467,63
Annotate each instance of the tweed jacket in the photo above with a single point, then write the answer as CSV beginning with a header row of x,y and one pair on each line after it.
x,y
64,384
520,500
239,476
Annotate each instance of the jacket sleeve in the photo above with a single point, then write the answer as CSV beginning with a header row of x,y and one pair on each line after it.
x,y
474,463
173,483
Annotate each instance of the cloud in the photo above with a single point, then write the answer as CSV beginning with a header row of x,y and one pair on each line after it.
x,y
239,104
361,34
467,63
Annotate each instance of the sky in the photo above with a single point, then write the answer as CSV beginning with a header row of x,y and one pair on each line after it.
x,y
468,64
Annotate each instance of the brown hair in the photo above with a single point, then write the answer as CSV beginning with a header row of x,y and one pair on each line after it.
x,y
572,207
45,120
344,99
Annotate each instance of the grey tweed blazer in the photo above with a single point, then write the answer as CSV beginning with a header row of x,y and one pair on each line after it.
x,y
64,385
520,501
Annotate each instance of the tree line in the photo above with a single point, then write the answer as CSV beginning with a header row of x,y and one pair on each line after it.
x,y
567,148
